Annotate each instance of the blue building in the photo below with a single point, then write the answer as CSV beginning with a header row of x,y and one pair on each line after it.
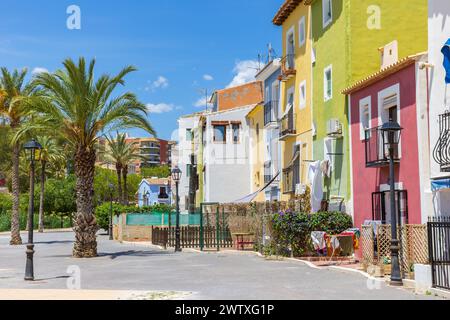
x,y
154,191
272,115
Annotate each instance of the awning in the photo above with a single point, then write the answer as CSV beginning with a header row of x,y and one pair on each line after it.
x,y
440,184
446,52
251,197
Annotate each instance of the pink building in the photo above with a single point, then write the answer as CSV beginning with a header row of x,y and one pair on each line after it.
x,y
397,92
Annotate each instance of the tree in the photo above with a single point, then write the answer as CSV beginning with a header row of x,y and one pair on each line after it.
x,y
83,108
122,153
13,89
157,171
50,152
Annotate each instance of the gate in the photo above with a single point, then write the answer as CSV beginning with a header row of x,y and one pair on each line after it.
x,y
212,232
439,251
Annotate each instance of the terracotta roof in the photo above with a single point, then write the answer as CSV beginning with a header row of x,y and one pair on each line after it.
x,y
393,68
285,10
158,181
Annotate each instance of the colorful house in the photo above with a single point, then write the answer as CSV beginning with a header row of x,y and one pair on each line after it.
x,y
154,191
345,37
296,130
397,92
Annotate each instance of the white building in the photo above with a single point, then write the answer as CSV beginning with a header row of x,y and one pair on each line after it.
x,y
187,125
439,105
226,173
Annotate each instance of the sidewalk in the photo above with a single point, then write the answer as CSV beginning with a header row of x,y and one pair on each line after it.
x,y
73,295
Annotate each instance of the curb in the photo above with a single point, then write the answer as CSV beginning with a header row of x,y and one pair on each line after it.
x,y
7,233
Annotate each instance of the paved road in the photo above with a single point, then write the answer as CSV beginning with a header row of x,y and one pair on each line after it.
x,y
205,275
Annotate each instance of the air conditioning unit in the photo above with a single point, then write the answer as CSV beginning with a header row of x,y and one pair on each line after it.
x,y
300,189
334,127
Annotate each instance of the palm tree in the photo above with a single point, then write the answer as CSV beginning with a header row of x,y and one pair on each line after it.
x,y
122,153
13,90
83,108
50,152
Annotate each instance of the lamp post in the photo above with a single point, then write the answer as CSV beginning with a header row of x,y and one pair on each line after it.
x,y
31,148
176,176
391,138
110,231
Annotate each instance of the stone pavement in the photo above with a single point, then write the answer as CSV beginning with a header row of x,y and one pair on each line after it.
x,y
130,271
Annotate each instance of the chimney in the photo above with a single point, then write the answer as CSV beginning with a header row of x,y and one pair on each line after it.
x,y
389,54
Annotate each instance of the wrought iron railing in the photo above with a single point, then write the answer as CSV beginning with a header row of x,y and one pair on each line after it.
x,y
439,251
377,154
270,112
288,66
288,124
441,152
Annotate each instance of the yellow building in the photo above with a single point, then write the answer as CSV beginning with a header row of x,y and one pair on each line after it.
x,y
296,127
257,150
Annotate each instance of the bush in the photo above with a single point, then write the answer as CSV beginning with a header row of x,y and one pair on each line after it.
x,y
291,232
5,203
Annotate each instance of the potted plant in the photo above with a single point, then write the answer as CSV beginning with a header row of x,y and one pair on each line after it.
x,y
387,265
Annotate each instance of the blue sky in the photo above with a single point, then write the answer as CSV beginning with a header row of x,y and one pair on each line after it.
x,y
180,47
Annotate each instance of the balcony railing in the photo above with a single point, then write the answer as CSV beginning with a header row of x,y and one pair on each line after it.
x,y
288,67
288,125
377,154
270,113
441,152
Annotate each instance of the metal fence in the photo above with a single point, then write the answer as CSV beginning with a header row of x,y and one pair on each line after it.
x,y
439,250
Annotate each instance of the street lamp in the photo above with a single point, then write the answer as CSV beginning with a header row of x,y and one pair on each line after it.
x,y
33,155
391,139
176,176
111,191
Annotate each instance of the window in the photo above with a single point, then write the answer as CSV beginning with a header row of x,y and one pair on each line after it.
x,y
328,83
290,39
327,10
236,132
163,193
188,170
364,116
302,32
220,133
189,135
303,95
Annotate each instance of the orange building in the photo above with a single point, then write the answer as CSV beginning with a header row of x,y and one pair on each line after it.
x,y
244,95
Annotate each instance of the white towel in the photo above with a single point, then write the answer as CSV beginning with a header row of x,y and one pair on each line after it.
x,y
315,178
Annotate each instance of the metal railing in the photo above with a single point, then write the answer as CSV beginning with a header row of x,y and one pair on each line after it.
x,y
288,124
377,154
288,65
439,251
270,112
441,152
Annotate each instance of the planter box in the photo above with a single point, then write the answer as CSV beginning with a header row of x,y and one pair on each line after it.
x,y
387,269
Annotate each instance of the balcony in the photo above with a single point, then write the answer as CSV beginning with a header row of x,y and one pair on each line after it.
x,y
441,152
377,154
287,67
271,113
288,125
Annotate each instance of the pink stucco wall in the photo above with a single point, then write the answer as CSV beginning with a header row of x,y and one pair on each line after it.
x,y
367,180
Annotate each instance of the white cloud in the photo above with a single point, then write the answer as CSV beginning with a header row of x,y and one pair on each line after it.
x,y
245,71
38,70
201,103
208,77
160,108
160,83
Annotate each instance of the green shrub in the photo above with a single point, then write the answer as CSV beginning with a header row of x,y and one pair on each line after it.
x,y
291,232
5,203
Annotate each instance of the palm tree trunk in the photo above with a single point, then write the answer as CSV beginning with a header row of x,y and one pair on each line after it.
x,y
41,199
125,185
15,217
119,183
86,227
